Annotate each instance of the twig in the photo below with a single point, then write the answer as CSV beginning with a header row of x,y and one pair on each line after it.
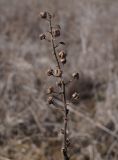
x,y
65,151
60,59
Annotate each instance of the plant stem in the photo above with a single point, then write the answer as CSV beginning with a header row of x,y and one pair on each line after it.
x,y
65,148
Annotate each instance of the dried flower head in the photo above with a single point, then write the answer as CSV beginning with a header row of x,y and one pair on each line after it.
x,y
58,72
75,96
75,75
42,36
50,100
62,54
50,90
56,32
50,72
43,15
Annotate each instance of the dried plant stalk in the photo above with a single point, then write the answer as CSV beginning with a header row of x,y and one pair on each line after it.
x,y
60,58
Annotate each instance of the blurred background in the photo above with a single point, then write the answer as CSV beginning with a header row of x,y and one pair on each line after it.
x,y
29,128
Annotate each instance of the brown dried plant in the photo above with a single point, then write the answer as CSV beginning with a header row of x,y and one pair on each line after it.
x,y
60,59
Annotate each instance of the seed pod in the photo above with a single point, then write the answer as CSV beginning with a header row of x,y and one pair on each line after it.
x,y
62,55
42,36
58,73
50,100
75,96
56,32
50,90
75,75
63,60
50,72
43,15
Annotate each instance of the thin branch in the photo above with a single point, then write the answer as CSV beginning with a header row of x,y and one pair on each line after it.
x,y
65,150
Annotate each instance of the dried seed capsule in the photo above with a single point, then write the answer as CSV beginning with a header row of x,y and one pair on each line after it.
x,y
42,36
62,54
43,15
50,72
63,60
58,73
56,32
50,100
50,90
75,96
75,75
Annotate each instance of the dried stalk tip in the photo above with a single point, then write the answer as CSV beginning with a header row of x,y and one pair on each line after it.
x,y
42,36
43,15
56,32
62,54
50,100
49,72
58,73
75,96
50,90
75,75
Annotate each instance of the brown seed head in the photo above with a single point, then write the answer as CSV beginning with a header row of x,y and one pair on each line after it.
x,y
50,72
62,54
63,60
56,32
58,73
42,36
43,15
50,100
75,75
50,90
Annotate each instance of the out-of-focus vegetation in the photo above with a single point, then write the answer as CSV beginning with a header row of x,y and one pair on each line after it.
x,y
29,129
